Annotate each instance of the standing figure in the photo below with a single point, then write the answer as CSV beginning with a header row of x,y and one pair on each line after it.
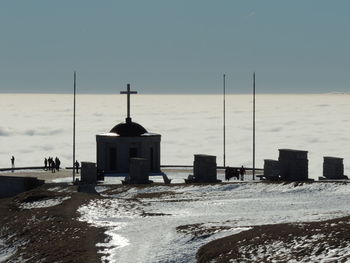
x,y
242,172
77,166
53,168
58,164
45,163
50,163
13,162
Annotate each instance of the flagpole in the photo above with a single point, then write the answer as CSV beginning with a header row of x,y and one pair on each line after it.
x,y
74,108
224,128
254,126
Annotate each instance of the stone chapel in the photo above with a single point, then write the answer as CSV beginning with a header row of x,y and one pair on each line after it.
x,y
124,141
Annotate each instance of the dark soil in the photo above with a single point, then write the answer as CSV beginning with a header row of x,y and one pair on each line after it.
x,y
249,245
51,234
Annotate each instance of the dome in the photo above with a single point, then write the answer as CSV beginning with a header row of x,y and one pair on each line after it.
x,y
129,129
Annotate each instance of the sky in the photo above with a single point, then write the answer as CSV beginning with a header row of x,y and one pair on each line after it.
x,y
182,46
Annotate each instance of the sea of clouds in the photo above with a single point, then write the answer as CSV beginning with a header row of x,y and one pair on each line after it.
x,y
35,126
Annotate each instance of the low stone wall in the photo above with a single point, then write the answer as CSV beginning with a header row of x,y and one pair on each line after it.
x,y
13,185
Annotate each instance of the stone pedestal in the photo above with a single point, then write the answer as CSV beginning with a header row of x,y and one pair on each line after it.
x,y
333,168
293,165
138,171
88,173
204,169
271,169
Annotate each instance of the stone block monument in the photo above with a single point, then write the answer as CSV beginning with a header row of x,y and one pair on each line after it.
x,y
138,172
204,169
271,169
333,168
293,165
88,173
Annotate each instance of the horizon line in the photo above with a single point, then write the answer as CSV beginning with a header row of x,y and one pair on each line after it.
x,y
245,93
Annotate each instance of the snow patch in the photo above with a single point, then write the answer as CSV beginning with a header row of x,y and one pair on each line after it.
x,y
6,252
44,203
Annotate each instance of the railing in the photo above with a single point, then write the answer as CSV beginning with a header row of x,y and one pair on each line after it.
x,y
162,166
218,167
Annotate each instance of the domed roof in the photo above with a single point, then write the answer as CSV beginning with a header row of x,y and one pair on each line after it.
x,y
128,129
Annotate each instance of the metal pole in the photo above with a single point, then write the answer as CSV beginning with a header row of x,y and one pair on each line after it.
x,y
224,92
74,127
254,126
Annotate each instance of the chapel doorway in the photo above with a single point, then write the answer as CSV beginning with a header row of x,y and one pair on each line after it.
x,y
113,159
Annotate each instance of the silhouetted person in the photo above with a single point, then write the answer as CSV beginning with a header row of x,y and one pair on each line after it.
x,y
12,162
53,166
242,172
45,164
58,163
77,165
49,162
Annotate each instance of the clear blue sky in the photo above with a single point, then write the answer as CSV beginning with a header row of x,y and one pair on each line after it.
x,y
178,46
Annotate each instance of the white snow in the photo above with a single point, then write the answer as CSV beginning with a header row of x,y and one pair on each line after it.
x,y
5,251
144,230
44,203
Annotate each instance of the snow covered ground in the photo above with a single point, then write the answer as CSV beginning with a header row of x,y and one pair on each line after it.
x,y
282,249
170,223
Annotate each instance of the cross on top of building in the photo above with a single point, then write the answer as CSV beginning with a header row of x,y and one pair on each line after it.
x,y
128,92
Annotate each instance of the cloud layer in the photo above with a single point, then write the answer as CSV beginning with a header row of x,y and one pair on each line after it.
x,y
189,124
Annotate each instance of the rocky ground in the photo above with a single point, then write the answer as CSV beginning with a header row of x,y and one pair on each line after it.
x,y
42,226
327,241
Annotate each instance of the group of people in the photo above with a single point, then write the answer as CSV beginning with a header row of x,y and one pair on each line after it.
x,y
234,172
52,164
